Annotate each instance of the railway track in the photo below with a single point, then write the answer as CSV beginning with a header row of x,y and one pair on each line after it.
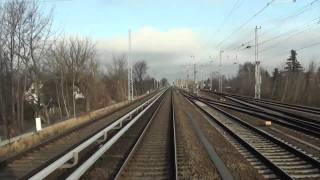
x,y
279,113
270,156
297,112
308,117
65,151
299,108
308,128
154,154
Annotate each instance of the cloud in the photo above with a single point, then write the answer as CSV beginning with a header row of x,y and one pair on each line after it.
x,y
167,52
164,51
152,40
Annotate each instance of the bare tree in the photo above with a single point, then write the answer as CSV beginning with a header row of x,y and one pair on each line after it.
x,y
116,77
74,66
139,71
24,36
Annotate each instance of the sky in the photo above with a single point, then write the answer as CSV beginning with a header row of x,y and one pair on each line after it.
x,y
167,33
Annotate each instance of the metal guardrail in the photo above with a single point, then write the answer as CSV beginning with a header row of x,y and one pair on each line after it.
x,y
137,143
73,154
89,162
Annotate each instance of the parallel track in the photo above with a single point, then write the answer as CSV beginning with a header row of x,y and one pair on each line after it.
x,y
285,112
305,127
25,164
273,157
154,154
301,108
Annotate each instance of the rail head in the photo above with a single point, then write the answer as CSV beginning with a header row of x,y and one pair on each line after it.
x,y
275,168
262,114
69,155
139,140
174,138
89,162
282,144
7,159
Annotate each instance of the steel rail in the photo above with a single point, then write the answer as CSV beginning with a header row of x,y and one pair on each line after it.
x,y
308,109
221,167
280,172
305,109
276,109
307,129
142,136
174,137
14,156
69,155
92,159
137,142
311,123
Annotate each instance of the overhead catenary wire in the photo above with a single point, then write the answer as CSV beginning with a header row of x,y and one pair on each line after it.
x,y
245,23
297,13
235,6
290,32
301,48
309,46
301,10
289,37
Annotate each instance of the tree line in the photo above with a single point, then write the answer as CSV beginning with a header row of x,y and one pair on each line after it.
x,y
291,84
54,78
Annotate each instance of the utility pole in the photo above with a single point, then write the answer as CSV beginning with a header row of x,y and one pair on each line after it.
x,y
211,81
220,71
211,86
187,84
130,79
194,74
257,87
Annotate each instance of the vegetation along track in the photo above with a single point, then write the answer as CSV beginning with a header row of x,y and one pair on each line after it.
x,y
271,156
18,166
153,156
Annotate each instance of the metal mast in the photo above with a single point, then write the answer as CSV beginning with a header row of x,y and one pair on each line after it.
x,y
220,72
257,87
130,79
194,74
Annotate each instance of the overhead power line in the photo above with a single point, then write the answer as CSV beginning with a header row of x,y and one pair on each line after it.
x,y
289,37
235,6
315,22
245,23
302,48
309,46
302,10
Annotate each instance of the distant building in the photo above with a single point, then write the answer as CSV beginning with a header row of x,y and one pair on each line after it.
x,y
31,96
77,94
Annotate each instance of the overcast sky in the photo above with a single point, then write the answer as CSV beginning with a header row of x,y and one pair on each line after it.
x,y
165,33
